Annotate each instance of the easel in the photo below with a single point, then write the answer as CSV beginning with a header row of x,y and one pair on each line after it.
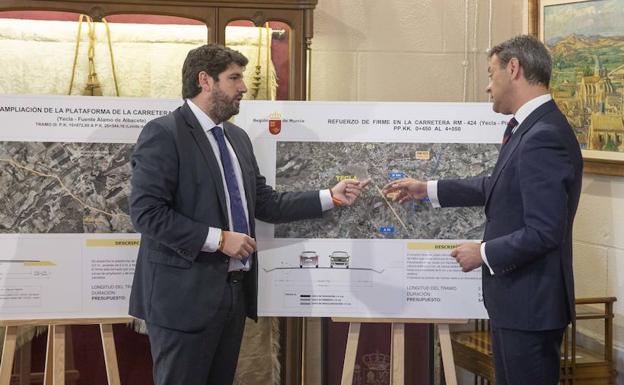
x,y
397,351
54,372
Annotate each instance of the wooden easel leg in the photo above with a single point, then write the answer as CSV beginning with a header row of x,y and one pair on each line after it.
x,y
58,355
8,352
397,354
55,357
350,353
49,361
447,354
24,363
110,354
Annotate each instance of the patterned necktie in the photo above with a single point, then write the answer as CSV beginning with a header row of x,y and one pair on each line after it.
x,y
508,131
239,219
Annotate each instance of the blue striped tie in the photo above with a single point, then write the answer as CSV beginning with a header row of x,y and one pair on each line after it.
x,y
239,219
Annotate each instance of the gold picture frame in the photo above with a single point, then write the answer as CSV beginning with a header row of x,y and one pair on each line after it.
x,y
592,98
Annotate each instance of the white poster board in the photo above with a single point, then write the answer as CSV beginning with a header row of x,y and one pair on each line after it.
x,y
68,247
376,258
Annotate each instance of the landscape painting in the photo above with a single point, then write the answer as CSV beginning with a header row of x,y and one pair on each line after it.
x,y
586,40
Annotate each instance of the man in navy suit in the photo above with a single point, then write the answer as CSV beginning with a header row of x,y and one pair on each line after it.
x,y
196,190
530,200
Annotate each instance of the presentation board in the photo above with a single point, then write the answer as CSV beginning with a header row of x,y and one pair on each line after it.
x,y
376,258
69,248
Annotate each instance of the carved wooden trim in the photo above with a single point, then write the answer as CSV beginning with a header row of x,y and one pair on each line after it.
x,y
603,165
603,168
275,4
216,14
533,9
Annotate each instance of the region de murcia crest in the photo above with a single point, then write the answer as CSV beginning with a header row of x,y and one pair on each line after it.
x,y
275,123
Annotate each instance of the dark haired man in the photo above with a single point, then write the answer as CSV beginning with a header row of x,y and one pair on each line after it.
x,y
530,201
196,190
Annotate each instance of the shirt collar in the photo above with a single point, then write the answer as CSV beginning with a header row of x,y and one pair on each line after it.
x,y
204,120
530,106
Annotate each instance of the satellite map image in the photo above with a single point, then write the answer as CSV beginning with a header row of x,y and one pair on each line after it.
x,y
58,187
312,165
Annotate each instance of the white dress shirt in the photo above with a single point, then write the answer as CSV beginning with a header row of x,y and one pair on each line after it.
x,y
214,234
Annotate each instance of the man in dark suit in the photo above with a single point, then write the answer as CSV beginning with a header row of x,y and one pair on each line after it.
x,y
196,190
530,201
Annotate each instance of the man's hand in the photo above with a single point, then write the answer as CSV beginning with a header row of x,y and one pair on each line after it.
x,y
237,245
347,191
406,189
468,255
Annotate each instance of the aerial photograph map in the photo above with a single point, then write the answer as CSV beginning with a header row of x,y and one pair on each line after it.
x,y
56,187
304,166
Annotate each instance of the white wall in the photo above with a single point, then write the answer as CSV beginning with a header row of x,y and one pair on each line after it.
x,y
598,250
414,50
408,50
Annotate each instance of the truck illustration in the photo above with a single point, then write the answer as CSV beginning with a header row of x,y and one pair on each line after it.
x,y
339,258
308,258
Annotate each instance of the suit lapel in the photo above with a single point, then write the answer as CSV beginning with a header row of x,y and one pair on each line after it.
x,y
508,149
209,156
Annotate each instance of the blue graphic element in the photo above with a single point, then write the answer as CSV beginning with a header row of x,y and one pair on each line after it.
x,y
386,229
396,175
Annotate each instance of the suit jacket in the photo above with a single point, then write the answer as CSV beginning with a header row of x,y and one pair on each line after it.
x,y
177,194
530,201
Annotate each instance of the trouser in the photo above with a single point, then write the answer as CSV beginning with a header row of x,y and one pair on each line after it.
x,y
524,357
207,357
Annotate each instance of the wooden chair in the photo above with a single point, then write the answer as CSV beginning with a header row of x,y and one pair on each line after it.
x,y
579,364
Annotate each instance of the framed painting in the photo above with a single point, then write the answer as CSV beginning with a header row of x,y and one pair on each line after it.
x,y
586,41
